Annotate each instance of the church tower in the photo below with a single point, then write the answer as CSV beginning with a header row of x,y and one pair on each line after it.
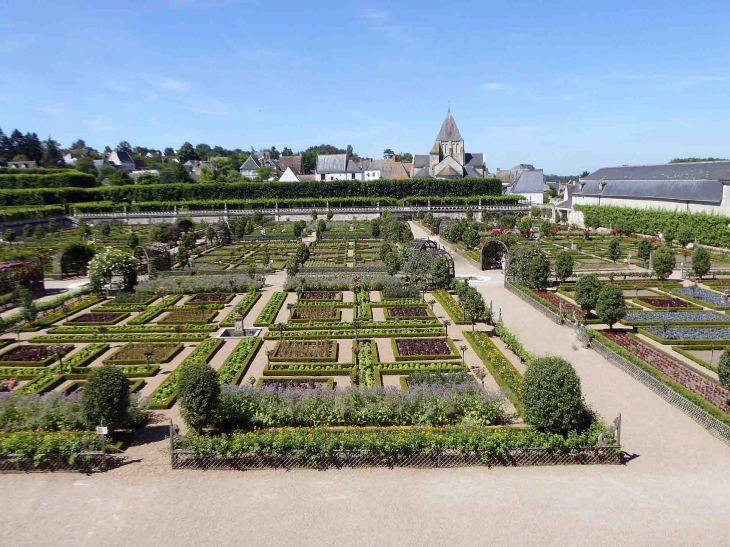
x,y
449,141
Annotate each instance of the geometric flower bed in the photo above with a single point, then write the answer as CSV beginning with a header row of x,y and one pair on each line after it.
x,y
32,356
659,302
189,316
709,298
423,348
408,312
271,310
321,296
134,354
97,319
452,307
720,334
642,317
235,367
698,384
317,313
568,308
294,351
223,298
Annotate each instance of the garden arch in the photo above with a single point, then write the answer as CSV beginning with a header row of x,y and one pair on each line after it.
x,y
491,254
153,258
432,251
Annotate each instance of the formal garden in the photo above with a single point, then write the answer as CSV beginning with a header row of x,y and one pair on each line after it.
x,y
361,342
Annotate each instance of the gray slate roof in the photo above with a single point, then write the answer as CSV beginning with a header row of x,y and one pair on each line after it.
x,y
449,131
124,157
529,182
709,170
567,204
475,160
421,160
471,172
251,164
375,165
353,167
696,191
331,163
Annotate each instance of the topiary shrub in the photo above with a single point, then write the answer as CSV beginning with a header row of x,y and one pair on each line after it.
x,y
105,399
587,290
701,262
614,249
563,265
198,390
552,398
644,250
539,272
664,262
723,370
520,259
611,306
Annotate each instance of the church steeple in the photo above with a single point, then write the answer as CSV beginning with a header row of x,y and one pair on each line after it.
x,y
449,131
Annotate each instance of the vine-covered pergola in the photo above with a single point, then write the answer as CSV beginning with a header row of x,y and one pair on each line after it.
x,y
491,254
153,258
432,251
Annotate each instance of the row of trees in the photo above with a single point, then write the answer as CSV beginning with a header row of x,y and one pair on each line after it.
x,y
19,147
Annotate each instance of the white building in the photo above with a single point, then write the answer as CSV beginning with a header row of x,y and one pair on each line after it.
x,y
121,160
289,175
528,184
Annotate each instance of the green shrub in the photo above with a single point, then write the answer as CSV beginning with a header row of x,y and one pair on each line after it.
x,y
105,399
664,262
701,262
563,265
551,394
539,272
723,371
614,249
684,235
644,250
507,222
198,391
520,259
587,290
611,307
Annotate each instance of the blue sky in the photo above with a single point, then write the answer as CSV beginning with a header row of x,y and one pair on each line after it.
x,y
563,85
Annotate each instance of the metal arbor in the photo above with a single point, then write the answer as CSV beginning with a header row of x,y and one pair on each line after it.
x,y
432,251
491,254
153,257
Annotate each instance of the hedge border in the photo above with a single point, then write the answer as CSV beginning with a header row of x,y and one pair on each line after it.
x,y
120,317
176,349
261,320
332,357
399,357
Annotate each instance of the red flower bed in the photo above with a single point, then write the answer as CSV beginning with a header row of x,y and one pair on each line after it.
x,y
96,318
423,347
407,312
665,302
319,296
708,390
496,232
208,298
33,353
616,232
568,308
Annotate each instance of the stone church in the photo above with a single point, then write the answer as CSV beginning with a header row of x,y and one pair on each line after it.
x,y
447,159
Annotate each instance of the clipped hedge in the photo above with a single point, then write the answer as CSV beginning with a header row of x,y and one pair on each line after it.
x,y
49,179
9,214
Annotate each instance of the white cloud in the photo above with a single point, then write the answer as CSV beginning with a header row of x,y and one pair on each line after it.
x,y
495,86
118,87
164,82
52,109
208,107
382,21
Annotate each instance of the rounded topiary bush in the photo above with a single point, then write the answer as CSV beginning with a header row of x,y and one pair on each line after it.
x,y
552,398
723,370
198,390
105,399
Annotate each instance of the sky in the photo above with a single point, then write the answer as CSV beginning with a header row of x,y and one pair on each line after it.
x,y
566,86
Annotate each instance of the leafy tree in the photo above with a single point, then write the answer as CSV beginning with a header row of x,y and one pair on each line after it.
x,y
79,144
563,266
187,153
27,230
614,249
552,397
132,240
507,222
525,223
385,249
664,262
265,173
587,290
302,254
299,228
392,263
292,268
124,146
106,229
539,272
287,151
169,151
28,310
198,390
53,227
119,178
39,232
321,225
684,235
701,262
520,259
471,238
375,228
188,241
723,370
644,250
473,305
10,235
388,152
52,156
611,306
105,399
469,214
210,235
405,157
147,178
183,256
163,233
441,274
314,215
84,230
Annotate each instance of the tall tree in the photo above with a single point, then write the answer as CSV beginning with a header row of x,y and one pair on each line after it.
x,y
4,147
186,153
81,143
17,143
202,151
406,157
51,154
286,152
124,146
33,149
169,151
274,153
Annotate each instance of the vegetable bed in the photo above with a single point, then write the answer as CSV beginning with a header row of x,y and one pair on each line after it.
x,y
409,349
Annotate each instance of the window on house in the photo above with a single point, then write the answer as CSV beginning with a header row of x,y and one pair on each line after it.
x,y
322,177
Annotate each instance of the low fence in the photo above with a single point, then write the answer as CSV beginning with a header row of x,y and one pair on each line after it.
x,y
539,306
181,458
83,462
706,420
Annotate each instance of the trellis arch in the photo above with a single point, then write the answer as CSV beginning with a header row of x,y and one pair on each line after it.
x,y
491,254
153,258
431,249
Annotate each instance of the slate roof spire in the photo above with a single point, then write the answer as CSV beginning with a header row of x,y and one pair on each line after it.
x,y
449,131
